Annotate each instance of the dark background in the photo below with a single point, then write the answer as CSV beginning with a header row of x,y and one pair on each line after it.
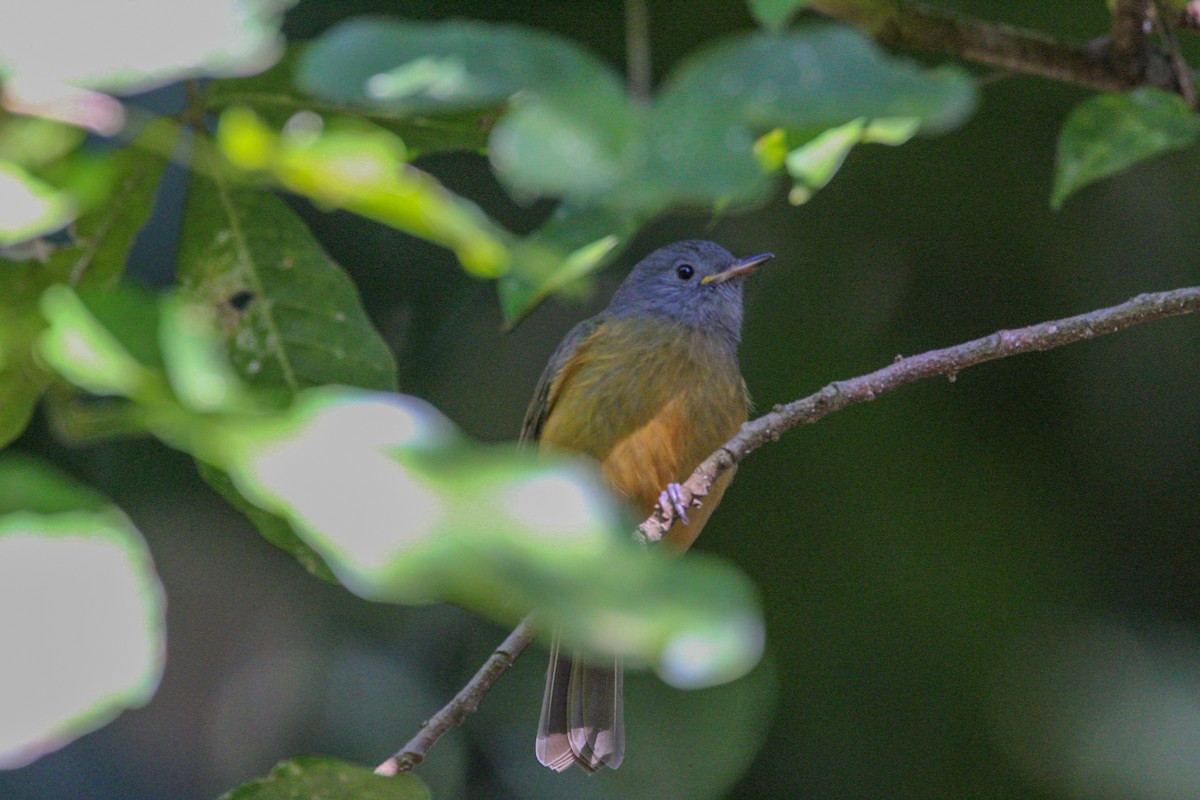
x,y
985,588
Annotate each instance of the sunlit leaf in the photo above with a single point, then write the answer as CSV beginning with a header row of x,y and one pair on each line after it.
x,y
813,164
364,169
30,207
86,353
1111,132
775,14
102,240
80,607
328,779
123,46
427,518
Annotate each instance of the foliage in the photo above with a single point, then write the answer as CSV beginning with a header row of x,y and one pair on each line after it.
x,y
81,610
262,364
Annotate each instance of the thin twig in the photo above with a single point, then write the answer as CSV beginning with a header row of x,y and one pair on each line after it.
x,y
464,703
1164,19
911,24
639,73
949,361
834,397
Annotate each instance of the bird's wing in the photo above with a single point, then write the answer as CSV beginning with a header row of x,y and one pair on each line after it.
x,y
547,387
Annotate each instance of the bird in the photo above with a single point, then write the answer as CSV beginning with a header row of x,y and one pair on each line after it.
x,y
649,387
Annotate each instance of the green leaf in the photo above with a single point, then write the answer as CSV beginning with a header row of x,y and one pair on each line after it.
x,y
312,777
427,518
569,247
102,240
81,609
31,207
273,96
1111,132
363,169
775,14
813,164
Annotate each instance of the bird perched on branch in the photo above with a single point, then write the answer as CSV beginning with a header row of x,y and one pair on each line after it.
x,y
649,387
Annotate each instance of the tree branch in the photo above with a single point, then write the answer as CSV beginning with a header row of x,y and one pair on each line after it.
x,y
949,362
902,24
464,703
1166,22
834,397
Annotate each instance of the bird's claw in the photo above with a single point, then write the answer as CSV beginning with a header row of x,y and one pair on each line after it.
x,y
674,504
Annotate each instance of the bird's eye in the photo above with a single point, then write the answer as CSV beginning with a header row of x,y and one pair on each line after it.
x,y
685,271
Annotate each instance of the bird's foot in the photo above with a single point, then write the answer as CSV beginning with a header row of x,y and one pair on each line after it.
x,y
674,502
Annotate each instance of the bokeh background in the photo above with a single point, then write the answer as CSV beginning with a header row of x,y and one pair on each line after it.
x,y
984,588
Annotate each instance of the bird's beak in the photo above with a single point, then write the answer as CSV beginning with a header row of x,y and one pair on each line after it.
x,y
743,266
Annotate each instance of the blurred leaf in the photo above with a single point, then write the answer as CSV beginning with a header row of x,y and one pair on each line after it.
x,y
1111,132
32,142
312,777
570,246
274,529
30,207
362,168
85,351
422,67
81,609
127,47
568,132
427,518
813,164
775,14
102,240
274,97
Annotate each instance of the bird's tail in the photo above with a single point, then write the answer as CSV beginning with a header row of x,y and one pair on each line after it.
x,y
583,718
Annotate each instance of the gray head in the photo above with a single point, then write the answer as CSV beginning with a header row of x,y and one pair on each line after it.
x,y
692,282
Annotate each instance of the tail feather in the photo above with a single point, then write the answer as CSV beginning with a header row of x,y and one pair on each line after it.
x,y
582,719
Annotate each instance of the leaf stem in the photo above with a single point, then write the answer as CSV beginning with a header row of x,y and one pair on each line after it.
x,y
949,361
638,68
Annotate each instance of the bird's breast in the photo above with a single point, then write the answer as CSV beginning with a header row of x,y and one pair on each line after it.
x,y
649,401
